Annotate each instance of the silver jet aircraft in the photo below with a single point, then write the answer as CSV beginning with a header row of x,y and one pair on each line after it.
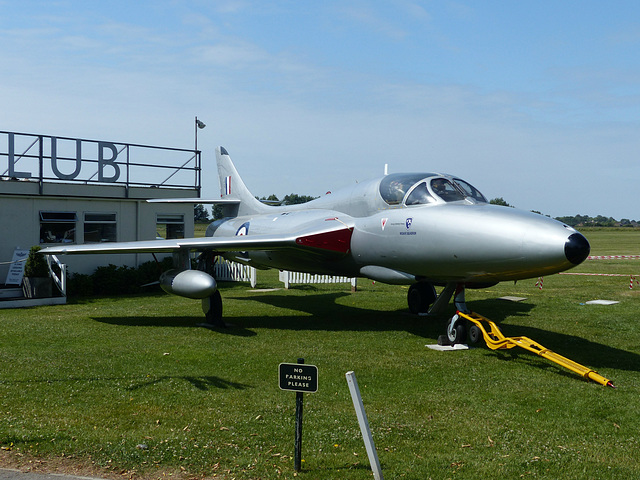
x,y
417,229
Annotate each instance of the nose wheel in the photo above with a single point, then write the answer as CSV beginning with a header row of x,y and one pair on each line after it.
x,y
457,330
474,334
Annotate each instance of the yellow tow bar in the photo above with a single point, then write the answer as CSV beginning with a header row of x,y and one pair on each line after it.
x,y
496,340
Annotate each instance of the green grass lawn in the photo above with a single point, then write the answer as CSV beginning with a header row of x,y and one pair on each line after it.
x,y
131,387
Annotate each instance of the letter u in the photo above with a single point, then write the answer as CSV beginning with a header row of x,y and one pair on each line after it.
x,y
54,160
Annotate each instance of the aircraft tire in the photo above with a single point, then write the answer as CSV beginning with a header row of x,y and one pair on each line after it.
x,y
214,315
458,334
474,334
420,297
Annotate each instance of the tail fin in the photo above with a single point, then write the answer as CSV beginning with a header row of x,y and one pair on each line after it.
x,y
233,188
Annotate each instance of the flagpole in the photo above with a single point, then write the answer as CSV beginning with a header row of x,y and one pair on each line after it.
x,y
198,124
196,130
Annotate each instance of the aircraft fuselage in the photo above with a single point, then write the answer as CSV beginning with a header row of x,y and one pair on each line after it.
x,y
435,243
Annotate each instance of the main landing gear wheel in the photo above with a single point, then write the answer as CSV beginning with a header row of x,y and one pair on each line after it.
x,y
420,297
213,315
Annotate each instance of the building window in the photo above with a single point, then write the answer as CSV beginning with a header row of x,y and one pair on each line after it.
x,y
58,227
99,227
170,226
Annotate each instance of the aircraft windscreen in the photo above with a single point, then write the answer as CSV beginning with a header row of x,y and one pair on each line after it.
x,y
470,191
446,190
420,195
394,187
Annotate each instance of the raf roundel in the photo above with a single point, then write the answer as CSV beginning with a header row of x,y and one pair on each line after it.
x,y
243,230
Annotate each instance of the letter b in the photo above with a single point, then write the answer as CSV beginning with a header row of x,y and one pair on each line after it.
x,y
107,161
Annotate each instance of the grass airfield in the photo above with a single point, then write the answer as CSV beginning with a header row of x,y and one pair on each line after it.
x,y
130,387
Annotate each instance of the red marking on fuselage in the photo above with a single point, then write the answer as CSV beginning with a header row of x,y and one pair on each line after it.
x,y
336,241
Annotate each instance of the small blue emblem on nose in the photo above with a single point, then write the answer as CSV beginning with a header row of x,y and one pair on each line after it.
x,y
408,222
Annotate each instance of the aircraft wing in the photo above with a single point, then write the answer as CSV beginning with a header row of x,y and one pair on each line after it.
x,y
333,241
222,244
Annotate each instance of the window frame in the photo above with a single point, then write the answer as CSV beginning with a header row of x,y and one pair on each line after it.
x,y
108,231
172,224
58,226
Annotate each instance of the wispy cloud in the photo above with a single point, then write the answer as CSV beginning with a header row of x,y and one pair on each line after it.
x,y
308,97
365,15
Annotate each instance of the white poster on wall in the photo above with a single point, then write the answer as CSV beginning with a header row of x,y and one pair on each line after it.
x,y
16,269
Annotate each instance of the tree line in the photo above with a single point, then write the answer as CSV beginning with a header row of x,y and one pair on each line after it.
x,y
580,220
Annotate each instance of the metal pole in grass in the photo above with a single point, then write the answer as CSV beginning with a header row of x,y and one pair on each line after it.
x,y
364,425
298,439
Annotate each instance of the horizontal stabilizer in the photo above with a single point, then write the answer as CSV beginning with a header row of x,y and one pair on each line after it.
x,y
220,201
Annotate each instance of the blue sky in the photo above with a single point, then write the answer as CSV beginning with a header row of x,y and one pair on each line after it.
x,y
535,102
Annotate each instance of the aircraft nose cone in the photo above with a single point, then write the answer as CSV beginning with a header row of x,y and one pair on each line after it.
x,y
576,248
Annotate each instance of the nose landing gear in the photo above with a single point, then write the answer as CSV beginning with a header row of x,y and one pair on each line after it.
x,y
456,330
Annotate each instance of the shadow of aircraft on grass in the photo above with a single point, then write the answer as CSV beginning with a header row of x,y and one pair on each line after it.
x,y
323,312
204,383
201,382
172,322
316,312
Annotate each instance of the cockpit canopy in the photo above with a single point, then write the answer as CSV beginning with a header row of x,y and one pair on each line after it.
x,y
427,188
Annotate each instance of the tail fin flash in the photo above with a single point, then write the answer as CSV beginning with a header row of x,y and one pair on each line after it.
x,y
233,188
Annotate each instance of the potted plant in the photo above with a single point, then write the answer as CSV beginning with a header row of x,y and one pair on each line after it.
x,y
36,282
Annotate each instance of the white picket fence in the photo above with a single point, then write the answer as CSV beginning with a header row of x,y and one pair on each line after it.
x,y
296,277
236,272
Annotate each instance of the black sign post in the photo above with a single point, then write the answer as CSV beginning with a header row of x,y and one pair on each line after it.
x,y
299,378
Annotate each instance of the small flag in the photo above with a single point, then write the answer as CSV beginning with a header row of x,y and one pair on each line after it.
x,y
227,185
200,124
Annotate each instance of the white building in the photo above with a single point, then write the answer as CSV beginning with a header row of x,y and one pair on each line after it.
x,y
66,190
